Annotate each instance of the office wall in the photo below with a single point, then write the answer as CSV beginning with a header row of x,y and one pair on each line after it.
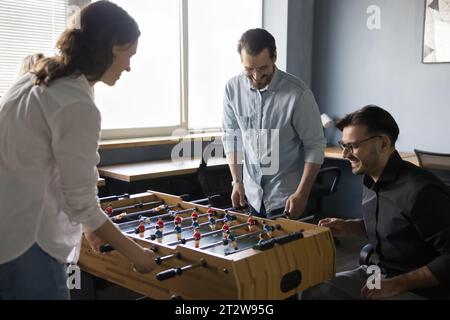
x,y
300,39
354,66
275,21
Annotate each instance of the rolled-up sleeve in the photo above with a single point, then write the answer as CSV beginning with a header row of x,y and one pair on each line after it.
x,y
75,136
307,123
231,133
431,218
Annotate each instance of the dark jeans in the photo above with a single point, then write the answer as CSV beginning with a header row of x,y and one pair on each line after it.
x,y
33,275
262,212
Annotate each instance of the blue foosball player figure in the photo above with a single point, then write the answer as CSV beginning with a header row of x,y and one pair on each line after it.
x,y
158,234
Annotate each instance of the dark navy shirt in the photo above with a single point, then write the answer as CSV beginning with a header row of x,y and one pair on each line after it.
x,y
407,219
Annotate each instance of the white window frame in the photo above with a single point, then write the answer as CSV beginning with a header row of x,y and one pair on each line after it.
x,y
125,133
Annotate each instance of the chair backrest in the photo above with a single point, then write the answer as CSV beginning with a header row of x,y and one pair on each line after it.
x,y
437,163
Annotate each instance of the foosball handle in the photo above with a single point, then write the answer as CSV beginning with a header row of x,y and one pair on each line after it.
x,y
289,237
264,244
106,248
169,273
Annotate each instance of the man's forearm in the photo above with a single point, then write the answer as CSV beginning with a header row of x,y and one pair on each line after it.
x,y
235,163
356,227
310,172
419,278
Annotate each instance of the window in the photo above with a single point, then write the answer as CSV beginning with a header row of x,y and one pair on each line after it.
x,y
148,96
214,30
27,27
186,53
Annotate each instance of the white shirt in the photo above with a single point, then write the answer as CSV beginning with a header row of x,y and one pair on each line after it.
x,y
48,156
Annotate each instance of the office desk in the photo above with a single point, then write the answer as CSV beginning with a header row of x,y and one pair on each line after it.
x,y
336,153
131,172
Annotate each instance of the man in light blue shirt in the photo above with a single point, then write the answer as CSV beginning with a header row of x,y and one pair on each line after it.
x,y
272,122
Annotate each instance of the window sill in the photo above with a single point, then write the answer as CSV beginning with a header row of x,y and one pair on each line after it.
x,y
153,141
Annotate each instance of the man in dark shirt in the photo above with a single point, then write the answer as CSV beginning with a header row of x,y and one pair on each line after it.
x,y
406,217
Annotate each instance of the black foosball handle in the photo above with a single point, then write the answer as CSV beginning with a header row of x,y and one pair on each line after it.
x,y
169,273
264,244
106,248
289,237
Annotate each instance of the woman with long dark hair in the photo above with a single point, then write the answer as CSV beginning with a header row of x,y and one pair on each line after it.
x,y
49,133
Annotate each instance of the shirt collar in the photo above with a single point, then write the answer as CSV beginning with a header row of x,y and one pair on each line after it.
x,y
86,85
389,174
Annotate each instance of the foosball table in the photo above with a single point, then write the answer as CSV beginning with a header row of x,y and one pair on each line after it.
x,y
208,253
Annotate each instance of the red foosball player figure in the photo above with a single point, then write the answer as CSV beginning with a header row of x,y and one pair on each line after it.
x,y
225,228
109,209
177,230
197,237
158,234
210,210
160,223
251,223
141,228
231,238
212,221
267,229
178,219
194,215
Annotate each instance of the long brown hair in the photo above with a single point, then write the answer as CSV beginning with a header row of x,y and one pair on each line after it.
x,y
88,49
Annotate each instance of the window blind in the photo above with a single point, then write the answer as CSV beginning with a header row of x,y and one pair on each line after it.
x,y
27,27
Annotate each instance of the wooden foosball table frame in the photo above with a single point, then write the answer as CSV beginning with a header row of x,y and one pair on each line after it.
x,y
298,256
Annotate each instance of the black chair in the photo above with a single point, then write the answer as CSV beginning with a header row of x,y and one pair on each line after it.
x,y
436,163
326,184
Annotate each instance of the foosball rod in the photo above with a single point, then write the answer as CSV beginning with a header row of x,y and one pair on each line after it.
x,y
189,228
113,198
168,214
131,216
170,273
136,205
183,241
242,236
172,222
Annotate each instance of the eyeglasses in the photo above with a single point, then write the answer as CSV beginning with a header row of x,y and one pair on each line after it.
x,y
252,71
350,147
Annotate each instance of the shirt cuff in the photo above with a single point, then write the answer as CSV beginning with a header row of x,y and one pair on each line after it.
x,y
440,268
314,155
93,221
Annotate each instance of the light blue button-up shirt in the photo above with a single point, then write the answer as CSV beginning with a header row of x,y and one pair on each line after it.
x,y
277,129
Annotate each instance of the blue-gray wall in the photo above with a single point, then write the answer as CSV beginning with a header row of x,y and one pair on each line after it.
x,y
354,66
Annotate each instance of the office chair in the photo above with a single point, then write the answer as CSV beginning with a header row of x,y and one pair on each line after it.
x,y
436,163
326,183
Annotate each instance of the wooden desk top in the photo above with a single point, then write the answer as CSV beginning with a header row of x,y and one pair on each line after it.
x,y
336,153
131,172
